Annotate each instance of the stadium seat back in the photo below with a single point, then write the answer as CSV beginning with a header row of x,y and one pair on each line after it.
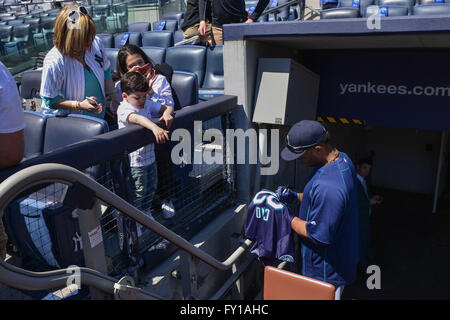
x,y
189,59
433,9
174,15
214,74
34,133
339,13
111,53
185,86
62,131
157,38
170,25
134,38
139,27
391,11
107,39
156,54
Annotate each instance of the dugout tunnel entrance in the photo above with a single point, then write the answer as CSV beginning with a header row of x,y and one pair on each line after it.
x,y
383,93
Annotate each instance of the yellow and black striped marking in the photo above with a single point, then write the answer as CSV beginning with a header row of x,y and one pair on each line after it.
x,y
341,120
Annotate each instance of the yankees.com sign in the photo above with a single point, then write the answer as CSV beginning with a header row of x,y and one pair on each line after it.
x,y
386,88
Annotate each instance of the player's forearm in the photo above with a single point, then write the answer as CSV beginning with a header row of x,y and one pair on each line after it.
x,y
299,226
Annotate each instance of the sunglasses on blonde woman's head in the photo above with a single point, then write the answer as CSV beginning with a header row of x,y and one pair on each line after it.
x,y
74,15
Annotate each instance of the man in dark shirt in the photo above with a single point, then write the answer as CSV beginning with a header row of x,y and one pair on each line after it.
x,y
191,21
225,12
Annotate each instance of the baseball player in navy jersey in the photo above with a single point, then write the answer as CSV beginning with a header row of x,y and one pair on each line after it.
x,y
328,216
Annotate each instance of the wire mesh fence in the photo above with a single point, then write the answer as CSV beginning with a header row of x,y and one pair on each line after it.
x,y
44,233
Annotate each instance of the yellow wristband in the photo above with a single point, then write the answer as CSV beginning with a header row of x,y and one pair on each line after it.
x,y
202,22
74,105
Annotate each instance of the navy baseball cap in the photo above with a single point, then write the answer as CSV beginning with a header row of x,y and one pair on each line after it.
x,y
301,137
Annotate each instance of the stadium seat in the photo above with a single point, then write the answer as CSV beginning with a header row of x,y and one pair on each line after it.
x,y
107,39
363,4
419,2
389,11
174,15
214,75
156,54
170,25
5,35
163,39
189,59
185,85
213,84
139,27
34,133
62,131
403,3
134,38
178,36
111,53
21,34
30,84
433,9
8,18
180,23
339,13
34,24
15,22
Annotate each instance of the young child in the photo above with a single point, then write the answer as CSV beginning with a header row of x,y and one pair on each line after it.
x,y
136,108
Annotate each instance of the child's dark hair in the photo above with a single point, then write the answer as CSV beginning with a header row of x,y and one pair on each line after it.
x,y
133,82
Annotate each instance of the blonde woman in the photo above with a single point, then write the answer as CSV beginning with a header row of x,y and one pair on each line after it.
x,y
76,76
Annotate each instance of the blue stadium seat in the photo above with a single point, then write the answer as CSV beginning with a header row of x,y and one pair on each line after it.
x,y
139,27
189,59
432,9
107,39
214,76
111,53
419,2
5,36
62,131
34,133
185,86
14,23
174,15
134,38
21,34
170,25
163,39
8,18
403,3
363,4
178,36
34,24
213,84
389,11
30,84
156,54
180,23
339,13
